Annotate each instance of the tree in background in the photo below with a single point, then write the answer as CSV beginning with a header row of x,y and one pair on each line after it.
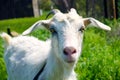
x,y
81,7
110,9
45,4
39,5
90,8
64,5
35,8
15,9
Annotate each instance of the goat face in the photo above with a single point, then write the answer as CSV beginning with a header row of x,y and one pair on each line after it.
x,y
67,33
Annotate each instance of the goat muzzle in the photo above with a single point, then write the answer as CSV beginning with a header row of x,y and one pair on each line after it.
x,y
69,51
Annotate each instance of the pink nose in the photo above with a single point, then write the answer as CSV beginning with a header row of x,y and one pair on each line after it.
x,y
69,50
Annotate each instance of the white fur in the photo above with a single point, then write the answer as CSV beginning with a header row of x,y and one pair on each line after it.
x,y
25,55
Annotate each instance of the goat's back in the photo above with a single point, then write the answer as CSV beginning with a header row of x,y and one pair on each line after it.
x,y
25,56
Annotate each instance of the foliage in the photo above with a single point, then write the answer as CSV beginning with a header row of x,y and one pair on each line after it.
x,y
118,3
3,73
100,59
81,7
45,4
18,25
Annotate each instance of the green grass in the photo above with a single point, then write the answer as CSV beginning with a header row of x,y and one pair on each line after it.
x,y
100,59
17,25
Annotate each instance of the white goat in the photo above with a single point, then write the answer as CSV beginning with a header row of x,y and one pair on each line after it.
x,y
25,56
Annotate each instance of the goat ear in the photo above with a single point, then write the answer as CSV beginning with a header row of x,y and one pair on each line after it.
x,y
37,25
73,10
95,23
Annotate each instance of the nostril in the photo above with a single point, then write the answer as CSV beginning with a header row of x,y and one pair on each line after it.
x,y
69,50
74,51
65,52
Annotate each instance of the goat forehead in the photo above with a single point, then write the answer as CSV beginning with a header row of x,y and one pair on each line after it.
x,y
59,17
73,16
68,24
67,21
69,16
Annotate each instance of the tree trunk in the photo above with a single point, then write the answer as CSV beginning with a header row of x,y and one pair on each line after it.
x,y
110,9
117,12
114,9
35,8
105,9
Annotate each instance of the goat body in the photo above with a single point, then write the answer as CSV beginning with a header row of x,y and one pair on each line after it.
x,y
22,57
25,56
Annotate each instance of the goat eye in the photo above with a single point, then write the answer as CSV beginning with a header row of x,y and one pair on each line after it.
x,y
52,30
82,29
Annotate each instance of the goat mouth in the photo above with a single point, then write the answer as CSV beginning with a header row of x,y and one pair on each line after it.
x,y
70,59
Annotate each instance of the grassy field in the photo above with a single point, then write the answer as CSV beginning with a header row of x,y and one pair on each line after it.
x,y
100,59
